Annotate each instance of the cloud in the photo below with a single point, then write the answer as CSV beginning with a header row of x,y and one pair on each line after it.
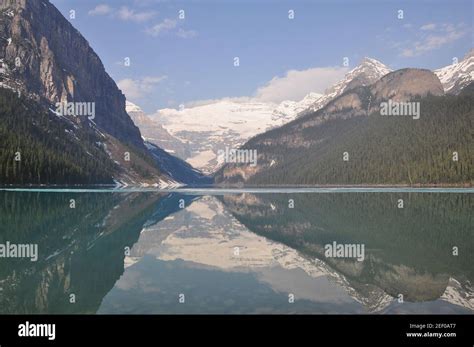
x,y
139,88
237,99
165,26
171,25
429,26
186,34
100,10
123,13
127,14
431,37
296,84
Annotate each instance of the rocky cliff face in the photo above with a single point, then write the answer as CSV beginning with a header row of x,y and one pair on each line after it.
x,y
154,132
43,55
404,84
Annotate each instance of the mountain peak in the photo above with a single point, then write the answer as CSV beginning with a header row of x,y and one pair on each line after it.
x,y
131,107
312,95
455,77
372,64
407,83
369,60
369,71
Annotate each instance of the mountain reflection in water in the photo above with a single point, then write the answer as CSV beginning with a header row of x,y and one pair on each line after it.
x,y
141,252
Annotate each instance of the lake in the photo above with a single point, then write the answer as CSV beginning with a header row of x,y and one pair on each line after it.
x,y
230,252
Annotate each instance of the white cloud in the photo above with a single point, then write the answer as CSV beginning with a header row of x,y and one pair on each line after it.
x,y
166,25
127,14
124,13
139,88
431,37
171,25
101,10
296,84
429,26
186,34
237,99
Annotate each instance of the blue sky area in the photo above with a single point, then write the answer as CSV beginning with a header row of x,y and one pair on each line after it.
x,y
175,61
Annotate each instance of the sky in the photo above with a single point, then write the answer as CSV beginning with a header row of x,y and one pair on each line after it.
x,y
189,60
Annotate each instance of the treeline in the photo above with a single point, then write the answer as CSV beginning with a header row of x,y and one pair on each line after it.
x,y
380,149
37,147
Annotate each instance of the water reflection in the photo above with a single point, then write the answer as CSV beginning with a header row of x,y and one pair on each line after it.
x,y
237,253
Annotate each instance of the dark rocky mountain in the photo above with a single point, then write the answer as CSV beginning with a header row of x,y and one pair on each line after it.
x,y
178,169
404,84
153,132
45,59
56,64
380,149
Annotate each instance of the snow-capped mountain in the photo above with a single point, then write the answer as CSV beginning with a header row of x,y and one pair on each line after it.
x,y
212,127
196,134
456,76
155,136
367,72
293,108
224,124
461,294
132,108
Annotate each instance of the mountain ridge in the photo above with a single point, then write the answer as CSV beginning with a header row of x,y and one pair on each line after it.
x,y
455,77
206,129
309,150
225,123
52,56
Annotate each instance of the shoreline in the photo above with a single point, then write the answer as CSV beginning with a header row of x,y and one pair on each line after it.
x,y
240,190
